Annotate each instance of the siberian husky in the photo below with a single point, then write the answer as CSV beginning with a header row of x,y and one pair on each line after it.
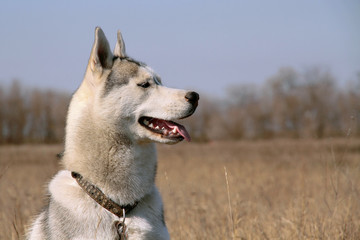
x,y
120,109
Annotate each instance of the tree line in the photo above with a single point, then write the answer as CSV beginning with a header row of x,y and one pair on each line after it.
x,y
31,115
290,104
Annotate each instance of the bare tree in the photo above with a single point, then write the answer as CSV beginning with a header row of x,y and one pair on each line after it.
x,y
352,105
200,124
48,118
15,114
36,117
321,101
2,117
239,119
287,107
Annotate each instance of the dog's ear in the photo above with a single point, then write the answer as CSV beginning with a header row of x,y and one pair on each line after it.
x,y
119,50
101,56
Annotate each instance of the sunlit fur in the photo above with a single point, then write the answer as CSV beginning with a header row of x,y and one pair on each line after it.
x,y
106,144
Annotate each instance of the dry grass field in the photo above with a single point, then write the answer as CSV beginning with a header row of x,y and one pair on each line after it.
x,y
281,189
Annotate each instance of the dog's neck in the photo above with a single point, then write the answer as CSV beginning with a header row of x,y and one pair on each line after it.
x,y
121,168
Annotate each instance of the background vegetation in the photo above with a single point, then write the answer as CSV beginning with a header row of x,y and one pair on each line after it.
x,y
290,104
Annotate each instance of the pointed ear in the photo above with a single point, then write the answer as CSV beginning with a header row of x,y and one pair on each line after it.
x,y
119,50
101,56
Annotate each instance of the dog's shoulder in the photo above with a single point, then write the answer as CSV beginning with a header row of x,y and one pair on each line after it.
x,y
65,192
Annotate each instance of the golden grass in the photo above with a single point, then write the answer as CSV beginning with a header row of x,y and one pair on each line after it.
x,y
282,189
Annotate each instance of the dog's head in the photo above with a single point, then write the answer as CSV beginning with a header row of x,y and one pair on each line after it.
x,y
128,97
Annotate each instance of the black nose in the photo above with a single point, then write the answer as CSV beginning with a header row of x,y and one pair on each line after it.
x,y
192,97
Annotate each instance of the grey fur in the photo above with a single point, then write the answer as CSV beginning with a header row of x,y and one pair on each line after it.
x,y
120,74
45,223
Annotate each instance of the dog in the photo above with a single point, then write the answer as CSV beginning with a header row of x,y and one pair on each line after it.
x,y
106,189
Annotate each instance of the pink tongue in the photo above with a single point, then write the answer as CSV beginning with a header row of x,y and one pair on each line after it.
x,y
180,129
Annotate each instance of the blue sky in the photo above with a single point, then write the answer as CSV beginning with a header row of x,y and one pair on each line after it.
x,y
202,45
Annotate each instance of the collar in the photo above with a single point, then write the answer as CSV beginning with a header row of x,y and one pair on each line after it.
x,y
99,197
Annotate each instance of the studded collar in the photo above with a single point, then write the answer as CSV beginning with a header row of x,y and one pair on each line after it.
x,y
99,197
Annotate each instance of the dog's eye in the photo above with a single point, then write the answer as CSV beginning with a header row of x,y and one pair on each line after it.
x,y
144,84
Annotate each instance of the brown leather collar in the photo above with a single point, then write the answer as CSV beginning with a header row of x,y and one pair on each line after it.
x,y
99,197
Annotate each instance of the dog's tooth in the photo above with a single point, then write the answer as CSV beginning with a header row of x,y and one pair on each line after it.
x,y
151,125
162,128
157,127
174,130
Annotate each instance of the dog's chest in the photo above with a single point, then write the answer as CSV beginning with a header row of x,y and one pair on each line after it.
x,y
80,217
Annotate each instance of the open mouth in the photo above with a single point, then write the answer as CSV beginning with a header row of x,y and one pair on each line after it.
x,y
166,129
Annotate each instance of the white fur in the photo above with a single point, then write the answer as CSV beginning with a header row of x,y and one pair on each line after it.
x,y
106,144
